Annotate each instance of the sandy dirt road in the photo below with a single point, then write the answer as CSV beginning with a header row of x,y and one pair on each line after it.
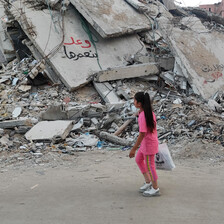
x,y
102,188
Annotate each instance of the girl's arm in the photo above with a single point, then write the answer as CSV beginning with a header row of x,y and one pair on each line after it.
x,y
138,142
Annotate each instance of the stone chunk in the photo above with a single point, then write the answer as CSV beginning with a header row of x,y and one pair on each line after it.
x,y
106,92
214,105
133,71
167,63
54,113
114,139
17,123
112,18
49,130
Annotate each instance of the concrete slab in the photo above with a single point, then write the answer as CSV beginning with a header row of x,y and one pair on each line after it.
x,y
199,54
54,113
17,123
49,130
7,52
132,71
107,92
76,60
170,5
112,18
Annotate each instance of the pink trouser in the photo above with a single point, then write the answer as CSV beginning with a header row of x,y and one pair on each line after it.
x,y
146,163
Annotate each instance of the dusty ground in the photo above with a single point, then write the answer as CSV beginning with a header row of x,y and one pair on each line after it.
x,y
101,186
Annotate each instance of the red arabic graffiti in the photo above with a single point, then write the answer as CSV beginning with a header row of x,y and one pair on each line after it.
x,y
79,42
215,75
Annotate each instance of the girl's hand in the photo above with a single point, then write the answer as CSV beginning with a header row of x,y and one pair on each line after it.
x,y
132,153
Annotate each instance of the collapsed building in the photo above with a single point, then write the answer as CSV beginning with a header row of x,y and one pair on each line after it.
x,y
117,48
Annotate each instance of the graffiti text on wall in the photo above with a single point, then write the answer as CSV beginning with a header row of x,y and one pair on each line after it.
x,y
213,68
77,56
215,76
79,42
215,71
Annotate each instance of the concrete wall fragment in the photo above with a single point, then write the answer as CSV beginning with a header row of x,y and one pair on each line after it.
x,y
199,54
112,18
76,57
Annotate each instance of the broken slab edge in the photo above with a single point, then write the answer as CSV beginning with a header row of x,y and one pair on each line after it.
x,y
126,72
53,138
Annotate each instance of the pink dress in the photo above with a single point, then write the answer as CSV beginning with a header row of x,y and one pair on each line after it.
x,y
150,143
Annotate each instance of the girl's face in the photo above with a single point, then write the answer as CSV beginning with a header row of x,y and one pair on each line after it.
x,y
137,104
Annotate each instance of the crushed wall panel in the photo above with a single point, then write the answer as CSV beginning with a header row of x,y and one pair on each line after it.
x,y
112,18
76,60
199,53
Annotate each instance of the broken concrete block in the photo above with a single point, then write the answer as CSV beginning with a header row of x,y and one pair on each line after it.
x,y
120,130
177,101
6,47
168,77
137,5
214,105
49,130
78,125
5,78
85,140
150,78
16,112
112,18
142,59
199,57
54,113
123,95
22,129
204,14
25,88
94,121
152,37
170,5
4,141
52,3
114,139
2,57
75,112
17,123
132,71
167,63
1,131
107,93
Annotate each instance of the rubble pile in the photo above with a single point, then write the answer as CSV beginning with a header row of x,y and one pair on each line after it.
x,y
179,118
41,119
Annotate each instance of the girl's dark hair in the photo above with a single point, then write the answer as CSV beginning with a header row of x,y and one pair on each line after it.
x,y
144,99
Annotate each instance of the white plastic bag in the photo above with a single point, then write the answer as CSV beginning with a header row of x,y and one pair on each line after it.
x,y
163,159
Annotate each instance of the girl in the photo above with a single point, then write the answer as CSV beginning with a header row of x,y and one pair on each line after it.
x,y
148,142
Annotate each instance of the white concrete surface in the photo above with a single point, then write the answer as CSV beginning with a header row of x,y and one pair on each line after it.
x,y
199,53
107,92
48,130
112,18
76,60
126,72
7,51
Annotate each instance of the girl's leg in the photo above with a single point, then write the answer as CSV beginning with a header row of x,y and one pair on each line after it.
x,y
151,167
147,177
142,166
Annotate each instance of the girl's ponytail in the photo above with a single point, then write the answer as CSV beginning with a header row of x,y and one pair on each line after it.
x,y
144,99
148,112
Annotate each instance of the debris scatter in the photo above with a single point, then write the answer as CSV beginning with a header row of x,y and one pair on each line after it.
x,y
67,93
